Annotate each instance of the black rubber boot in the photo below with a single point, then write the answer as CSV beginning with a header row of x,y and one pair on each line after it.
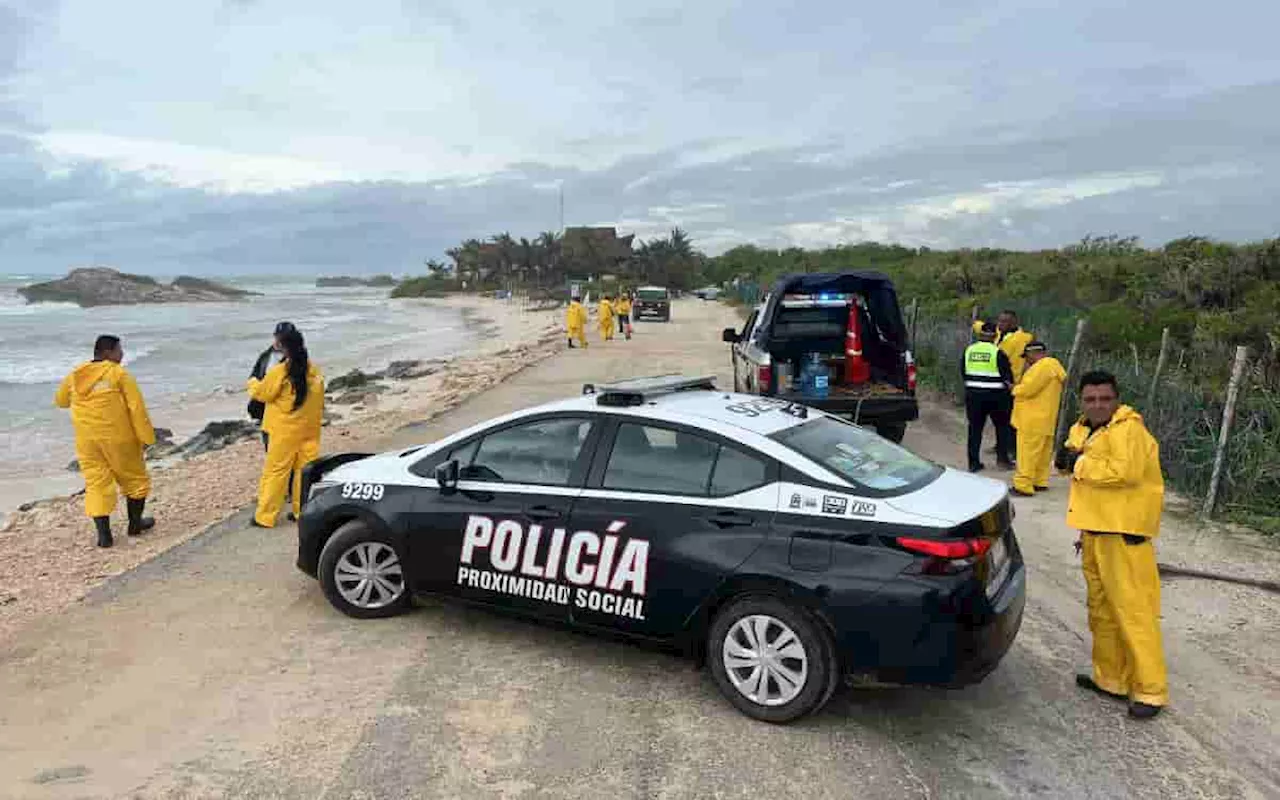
x,y
103,524
138,523
1143,710
1087,682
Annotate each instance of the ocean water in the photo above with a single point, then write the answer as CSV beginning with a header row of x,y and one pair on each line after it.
x,y
191,360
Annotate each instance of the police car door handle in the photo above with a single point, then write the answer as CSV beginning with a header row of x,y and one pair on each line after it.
x,y
542,512
731,519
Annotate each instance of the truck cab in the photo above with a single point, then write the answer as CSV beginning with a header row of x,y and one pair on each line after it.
x,y
803,329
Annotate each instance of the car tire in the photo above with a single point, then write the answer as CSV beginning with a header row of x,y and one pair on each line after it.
x,y
358,572
893,433
737,627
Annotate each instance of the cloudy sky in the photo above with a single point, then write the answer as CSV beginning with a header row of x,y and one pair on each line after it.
x,y
249,135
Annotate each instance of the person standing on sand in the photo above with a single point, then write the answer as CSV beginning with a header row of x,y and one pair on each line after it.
x,y
1117,493
112,430
606,318
576,321
269,358
293,392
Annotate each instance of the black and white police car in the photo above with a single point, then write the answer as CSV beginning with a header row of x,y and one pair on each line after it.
x,y
786,547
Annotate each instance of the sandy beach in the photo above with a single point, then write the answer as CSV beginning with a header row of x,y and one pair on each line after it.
x,y
46,551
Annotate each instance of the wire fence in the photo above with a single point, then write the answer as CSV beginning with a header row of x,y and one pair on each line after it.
x,y
1184,412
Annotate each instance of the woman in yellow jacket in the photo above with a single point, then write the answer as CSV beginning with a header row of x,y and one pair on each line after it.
x,y
112,428
1117,492
293,392
622,309
606,318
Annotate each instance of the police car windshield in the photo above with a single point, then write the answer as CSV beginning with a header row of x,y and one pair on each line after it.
x,y
858,455
652,294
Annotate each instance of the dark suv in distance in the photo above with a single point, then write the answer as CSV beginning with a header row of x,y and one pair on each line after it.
x,y
652,302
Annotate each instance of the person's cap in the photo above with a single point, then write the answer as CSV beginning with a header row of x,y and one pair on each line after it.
x,y
284,327
989,328
1036,346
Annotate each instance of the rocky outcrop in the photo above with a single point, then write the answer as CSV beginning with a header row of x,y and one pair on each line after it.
x,y
355,379
377,281
102,286
216,436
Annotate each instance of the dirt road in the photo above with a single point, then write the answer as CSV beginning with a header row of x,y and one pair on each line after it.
x,y
218,670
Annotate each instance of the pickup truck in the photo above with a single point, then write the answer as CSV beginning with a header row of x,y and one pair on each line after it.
x,y
808,314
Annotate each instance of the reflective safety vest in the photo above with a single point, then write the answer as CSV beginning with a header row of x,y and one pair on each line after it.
x,y
982,366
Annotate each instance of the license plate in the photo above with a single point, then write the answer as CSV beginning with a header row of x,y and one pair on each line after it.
x,y
999,566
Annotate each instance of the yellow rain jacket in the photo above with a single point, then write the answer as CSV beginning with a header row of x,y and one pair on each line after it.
x,y
294,436
1012,343
624,306
112,426
1117,485
1037,396
575,320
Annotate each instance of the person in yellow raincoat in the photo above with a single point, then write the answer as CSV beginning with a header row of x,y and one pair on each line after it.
x,y
575,321
1011,339
1035,417
112,429
1117,492
293,392
606,318
622,309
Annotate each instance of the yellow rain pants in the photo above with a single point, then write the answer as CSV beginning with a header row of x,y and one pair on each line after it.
x,y
1124,617
1035,457
576,322
294,440
112,426
283,468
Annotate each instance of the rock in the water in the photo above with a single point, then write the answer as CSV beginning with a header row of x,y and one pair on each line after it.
x,y
102,286
74,466
342,281
27,506
354,379
402,370
164,436
216,436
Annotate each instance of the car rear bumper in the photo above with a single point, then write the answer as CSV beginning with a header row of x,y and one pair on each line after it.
x,y
927,642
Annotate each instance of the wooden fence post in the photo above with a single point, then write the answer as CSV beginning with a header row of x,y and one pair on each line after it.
x,y
915,312
1228,417
1070,384
1155,379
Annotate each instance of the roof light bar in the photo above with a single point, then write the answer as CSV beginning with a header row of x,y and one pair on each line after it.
x,y
636,391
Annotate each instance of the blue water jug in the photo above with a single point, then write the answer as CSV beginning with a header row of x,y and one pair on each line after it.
x,y
821,378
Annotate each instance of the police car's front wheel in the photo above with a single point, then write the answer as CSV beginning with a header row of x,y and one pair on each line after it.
x,y
362,573
771,658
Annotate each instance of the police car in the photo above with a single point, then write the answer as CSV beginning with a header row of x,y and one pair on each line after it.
x,y
784,547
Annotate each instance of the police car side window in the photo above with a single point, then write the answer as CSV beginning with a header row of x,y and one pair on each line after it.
x,y
541,452
736,471
660,460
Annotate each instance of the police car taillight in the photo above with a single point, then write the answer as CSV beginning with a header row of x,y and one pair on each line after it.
x,y
945,557
952,549
911,372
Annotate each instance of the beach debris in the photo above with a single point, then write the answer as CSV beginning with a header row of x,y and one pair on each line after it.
x,y
354,379
216,436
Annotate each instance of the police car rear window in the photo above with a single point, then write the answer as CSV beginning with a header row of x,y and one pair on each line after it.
x,y
858,455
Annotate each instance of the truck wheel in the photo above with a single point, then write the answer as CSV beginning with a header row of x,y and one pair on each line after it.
x,y
894,432
771,659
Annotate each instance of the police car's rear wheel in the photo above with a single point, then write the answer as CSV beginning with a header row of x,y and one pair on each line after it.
x,y
362,573
771,659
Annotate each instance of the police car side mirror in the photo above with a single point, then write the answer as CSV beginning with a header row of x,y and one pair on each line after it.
x,y
447,475
730,336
